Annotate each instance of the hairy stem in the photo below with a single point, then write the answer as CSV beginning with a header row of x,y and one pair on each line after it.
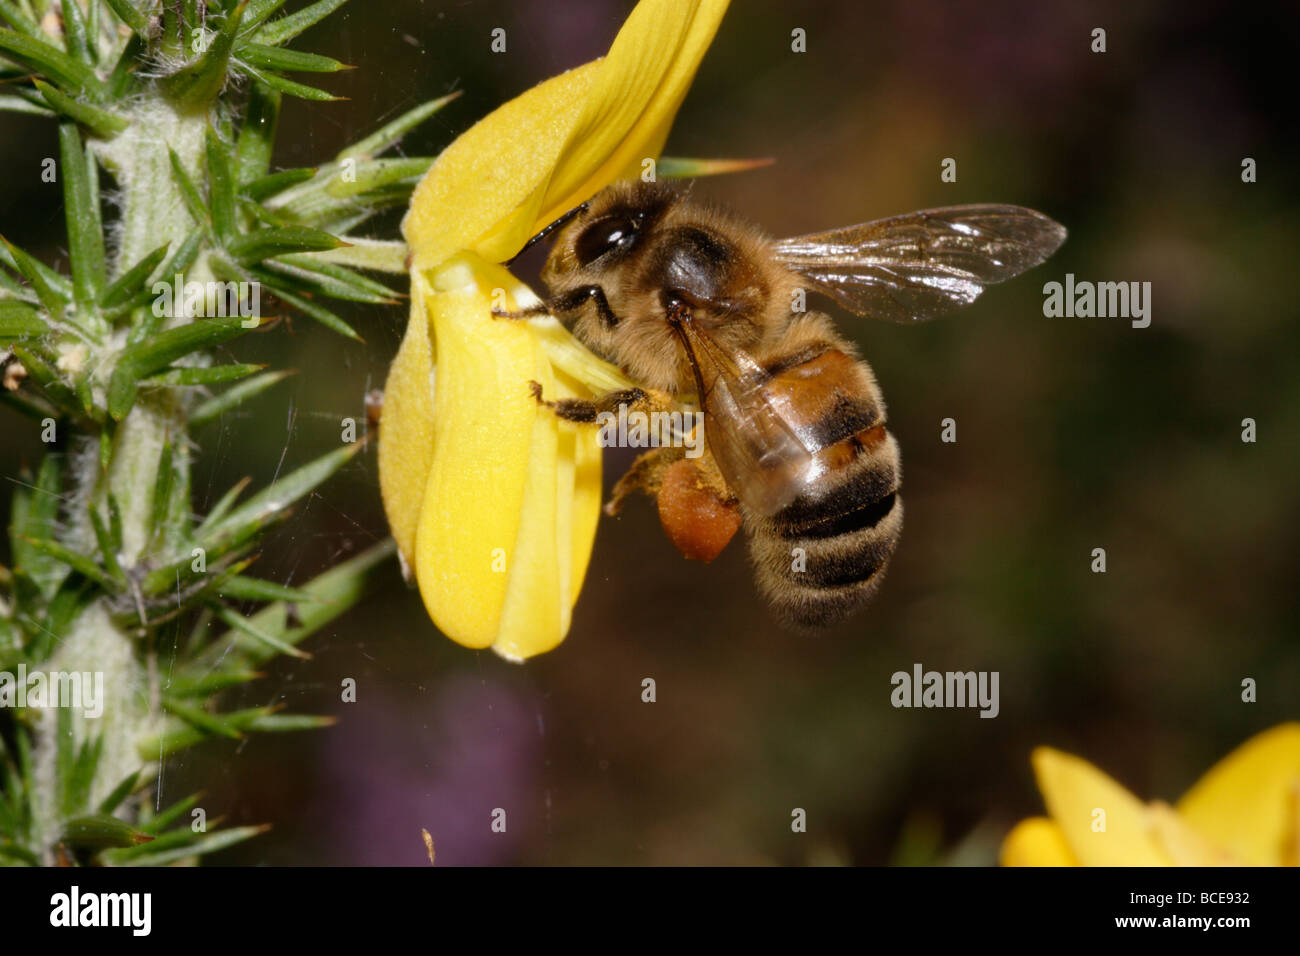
x,y
153,212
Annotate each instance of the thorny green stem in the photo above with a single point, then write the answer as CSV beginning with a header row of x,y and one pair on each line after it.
x,y
153,212
93,572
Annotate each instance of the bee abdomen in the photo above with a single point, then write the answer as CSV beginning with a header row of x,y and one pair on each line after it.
x,y
824,555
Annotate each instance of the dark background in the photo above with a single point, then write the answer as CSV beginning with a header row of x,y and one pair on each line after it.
x,y
1073,433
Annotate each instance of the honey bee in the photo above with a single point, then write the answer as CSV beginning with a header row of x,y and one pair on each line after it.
x,y
703,310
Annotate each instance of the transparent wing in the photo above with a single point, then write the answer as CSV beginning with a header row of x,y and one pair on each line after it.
x,y
754,435
915,267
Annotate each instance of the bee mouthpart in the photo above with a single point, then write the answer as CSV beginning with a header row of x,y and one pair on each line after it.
x,y
547,230
682,307
677,310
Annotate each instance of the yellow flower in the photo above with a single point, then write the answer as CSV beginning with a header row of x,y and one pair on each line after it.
x,y
1244,812
492,501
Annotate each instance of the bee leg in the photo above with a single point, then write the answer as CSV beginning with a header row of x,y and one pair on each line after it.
x,y
699,518
646,475
532,311
588,411
574,299
565,304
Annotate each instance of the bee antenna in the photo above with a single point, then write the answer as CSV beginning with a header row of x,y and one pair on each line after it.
x,y
547,230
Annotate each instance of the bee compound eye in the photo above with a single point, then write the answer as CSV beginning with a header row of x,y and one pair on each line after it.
x,y
603,236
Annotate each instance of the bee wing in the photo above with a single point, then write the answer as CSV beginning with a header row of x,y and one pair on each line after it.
x,y
762,453
915,267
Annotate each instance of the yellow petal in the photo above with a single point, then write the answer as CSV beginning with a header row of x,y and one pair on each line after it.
x,y
562,141
534,616
493,169
560,512
1037,841
1248,802
406,436
495,509
633,99
587,491
1074,791
483,449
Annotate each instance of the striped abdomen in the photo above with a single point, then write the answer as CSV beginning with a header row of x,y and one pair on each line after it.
x,y
822,556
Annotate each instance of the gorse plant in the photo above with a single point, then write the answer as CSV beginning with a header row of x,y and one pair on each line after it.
x,y
113,577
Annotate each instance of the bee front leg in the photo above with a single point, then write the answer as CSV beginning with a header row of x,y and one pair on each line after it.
x,y
567,303
532,312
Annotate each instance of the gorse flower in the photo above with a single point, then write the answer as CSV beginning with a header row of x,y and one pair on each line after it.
x,y
1244,812
492,500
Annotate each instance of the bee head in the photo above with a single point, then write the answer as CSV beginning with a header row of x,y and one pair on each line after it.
x,y
640,249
